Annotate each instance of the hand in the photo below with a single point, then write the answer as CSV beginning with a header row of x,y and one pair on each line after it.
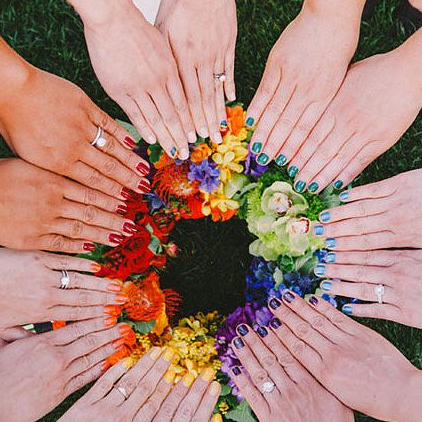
x,y
41,299
67,219
39,372
387,214
50,122
266,359
361,368
304,71
378,101
135,66
202,36
9,335
145,394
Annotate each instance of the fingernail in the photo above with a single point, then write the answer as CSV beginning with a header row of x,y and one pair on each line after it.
x,y
217,417
169,377
155,353
151,140
275,323
129,142
347,310
118,344
231,96
243,329
129,228
300,186
223,124
125,329
203,132
184,154
173,152
319,230
338,184
121,209
95,268
215,389
110,309
188,380
250,121
319,270
292,171
238,342
168,354
281,160
289,297
274,303
144,186
326,286
256,147
121,299
325,216
330,243
313,301
216,138
208,375
115,238
114,287
313,187
104,366
262,331
236,371
126,193
89,247
109,321
192,137
344,196
143,168
331,257
262,159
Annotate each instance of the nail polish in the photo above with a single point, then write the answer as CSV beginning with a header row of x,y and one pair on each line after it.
x,y
127,193
281,160
207,375
300,186
184,154
104,366
262,159
129,142
292,171
330,243
313,301
274,303
188,380
114,287
115,238
109,321
347,310
275,323
169,377
320,270
110,310
121,209
143,168
250,121
173,152
121,299
129,228
155,353
256,147
326,286
289,297
319,230
238,342
215,389
243,329
223,124
236,371
262,332
168,354
338,184
330,258
118,344
313,187
89,247
325,216
125,329
144,186
95,268
344,196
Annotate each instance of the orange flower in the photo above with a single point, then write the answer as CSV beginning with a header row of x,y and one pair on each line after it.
x,y
163,161
58,324
236,119
119,355
130,339
218,215
200,152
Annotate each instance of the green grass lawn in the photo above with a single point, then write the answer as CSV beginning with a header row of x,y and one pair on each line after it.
x,y
49,35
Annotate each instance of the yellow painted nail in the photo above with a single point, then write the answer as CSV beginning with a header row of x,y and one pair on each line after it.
x,y
168,354
215,389
217,418
188,379
155,353
169,377
208,374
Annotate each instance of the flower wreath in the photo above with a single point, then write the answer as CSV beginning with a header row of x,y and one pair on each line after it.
x,y
221,181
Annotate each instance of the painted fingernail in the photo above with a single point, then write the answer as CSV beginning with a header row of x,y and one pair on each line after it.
x,y
313,301
262,159
256,147
326,286
313,187
344,196
129,228
325,216
262,331
173,152
118,344
104,366
275,323
289,297
188,379
250,121
223,124
89,247
110,310
129,142
155,353
115,238
169,377
292,171
121,209
95,268
243,329
109,321
330,257
168,354
338,184
203,132
281,160
274,303
184,154
207,375
114,287
319,270
191,137
319,230
143,168
238,342
236,371
330,242
347,310
217,417
127,193
121,299
151,140
215,389
300,186
216,138
125,329
144,186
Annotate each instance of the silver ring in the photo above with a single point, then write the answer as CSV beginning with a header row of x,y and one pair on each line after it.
x,y
379,292
267,387
122,391
99,140
220,77
64,280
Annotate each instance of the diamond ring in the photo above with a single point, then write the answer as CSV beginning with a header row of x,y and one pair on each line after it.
x,y
99,140
379,292
267,387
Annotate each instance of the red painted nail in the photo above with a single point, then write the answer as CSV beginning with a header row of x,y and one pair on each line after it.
x,y
109,321
89,247
127,193
118,344
114,287
143,168
115,238
144,186
129,228
129,142
125,329
121,209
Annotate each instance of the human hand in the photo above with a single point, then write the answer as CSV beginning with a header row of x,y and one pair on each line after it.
x,y
39,372
67,219
359,366
40,299
267,360
304,71
202,36
144,394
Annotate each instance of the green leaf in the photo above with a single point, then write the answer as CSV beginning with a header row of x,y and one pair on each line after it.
x,y
131,129
155,152
243,413
225,390
142,327
155,245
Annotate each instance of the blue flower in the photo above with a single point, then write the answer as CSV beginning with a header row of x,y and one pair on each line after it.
x,y
207,174
260,280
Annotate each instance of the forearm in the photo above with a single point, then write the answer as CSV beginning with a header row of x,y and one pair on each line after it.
x,y
409,408
349,10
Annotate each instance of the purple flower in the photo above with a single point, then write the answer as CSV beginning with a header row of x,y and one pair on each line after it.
x,y
252,168
260,280
207,174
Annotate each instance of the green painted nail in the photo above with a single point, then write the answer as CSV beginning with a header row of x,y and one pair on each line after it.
x,y
256,147
338,184
250,121
292,171
313,187
262,159
300,186
281,160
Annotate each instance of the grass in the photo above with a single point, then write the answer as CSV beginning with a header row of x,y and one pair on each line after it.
x,y
49,35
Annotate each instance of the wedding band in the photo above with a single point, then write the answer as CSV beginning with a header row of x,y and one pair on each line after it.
x,y
64,280
379,292
220,77
267,387
122,391
99,140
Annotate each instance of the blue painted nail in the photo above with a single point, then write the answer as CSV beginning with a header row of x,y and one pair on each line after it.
x,y
274,303
275,323
330,257
289,297
236,371
281,160
313,187
256,147
344,196
262,159
326,286
238,342
224,123
292,171
325,216
319,230
338,184
330,243
243,329
313,301
319,270
173,152
250,121
347,309
300,186
262,331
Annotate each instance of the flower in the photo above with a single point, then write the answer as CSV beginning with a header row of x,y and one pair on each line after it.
x,y
235,119
260,280
252,167
172,250
200,153
207,174
219,206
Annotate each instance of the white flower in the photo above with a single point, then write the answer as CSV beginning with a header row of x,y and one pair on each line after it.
x,y
299,227
280,203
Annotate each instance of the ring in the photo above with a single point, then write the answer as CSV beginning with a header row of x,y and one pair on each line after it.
x,y
64,280
220,77
99,140
122,391
380,291
267,387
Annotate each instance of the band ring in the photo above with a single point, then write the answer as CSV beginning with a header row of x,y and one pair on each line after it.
x,y
99,140
64,280
268,387
220,77
379,292
122,391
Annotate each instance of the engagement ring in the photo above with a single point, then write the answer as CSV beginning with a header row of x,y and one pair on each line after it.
x,y
64,280
99,140
267,387
379,292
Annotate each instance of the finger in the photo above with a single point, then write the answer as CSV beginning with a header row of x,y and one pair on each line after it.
x,y
369,258
86,298
12,334
66,262
375,310
83,379
376,190
57,243
207,405
372,241
87,282
229,84
220,104
66,313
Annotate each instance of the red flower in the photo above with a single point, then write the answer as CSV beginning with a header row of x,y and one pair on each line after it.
x,y
135,245
194,208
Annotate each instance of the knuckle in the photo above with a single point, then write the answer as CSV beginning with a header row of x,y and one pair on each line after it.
x,y
94,177
260,376
79,381
90,214
87,362
361,273
150,408
154,120
303,329
91,341
57,243
145,389
273,108
318,321
129,383
285,358
76,229
366,291
90,196
167,409
83,297
110,166
269,361
77,331
298,348
187,411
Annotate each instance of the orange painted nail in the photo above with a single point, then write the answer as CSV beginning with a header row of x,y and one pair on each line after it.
x,y
110,309
118,344
114,287
95,267
109,321
105,365
121,299
125,329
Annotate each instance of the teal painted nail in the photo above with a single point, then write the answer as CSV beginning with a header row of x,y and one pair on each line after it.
x,y
319,270
292,171
256,147
173,152
300,186
224,123
319,230
250,121
338,184
344,196
325,216
281,160
330,243
347,309
331,257
313,187
326,286
262,159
